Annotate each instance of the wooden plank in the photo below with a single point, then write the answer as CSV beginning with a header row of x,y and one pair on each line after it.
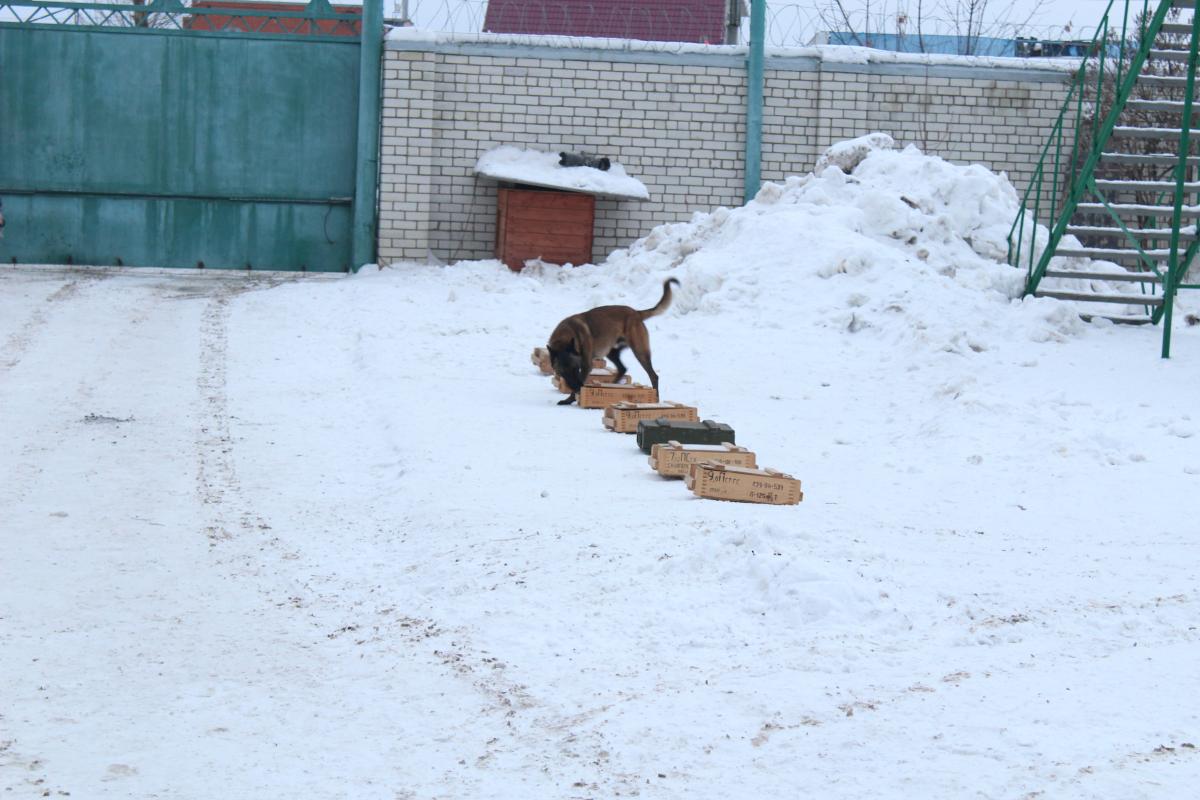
x,y
502,225
541,247
528,198
566,211
548,227
557,227
521,238
624,417
550,212
721,482
674,460
541,359
601,395
597,375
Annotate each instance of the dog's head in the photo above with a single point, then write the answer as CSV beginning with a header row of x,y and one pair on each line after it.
x,y
568,365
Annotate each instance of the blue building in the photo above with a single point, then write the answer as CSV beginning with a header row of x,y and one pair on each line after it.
x,y
1021,47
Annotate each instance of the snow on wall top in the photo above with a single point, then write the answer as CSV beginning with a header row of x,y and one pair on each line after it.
x,y
537,168
831,54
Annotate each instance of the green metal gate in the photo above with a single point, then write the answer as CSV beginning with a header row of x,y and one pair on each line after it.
x,y
224,135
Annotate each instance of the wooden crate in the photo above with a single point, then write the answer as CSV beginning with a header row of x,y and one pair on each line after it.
x,y
606,375
624,417
595,376
722,482
654,431
541,358
602,395
674,460
540,223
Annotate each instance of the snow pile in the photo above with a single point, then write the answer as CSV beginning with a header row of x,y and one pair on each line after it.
x,y
849,154
908,246
537,168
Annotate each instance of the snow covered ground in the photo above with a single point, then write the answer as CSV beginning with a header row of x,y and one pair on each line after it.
x,y
280,536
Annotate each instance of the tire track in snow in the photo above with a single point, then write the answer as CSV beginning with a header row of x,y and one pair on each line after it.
x,y
30,443
565,746
528,731
531,730
66,369
217,485
18,343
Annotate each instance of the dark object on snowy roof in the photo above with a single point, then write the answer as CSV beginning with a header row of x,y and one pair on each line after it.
x,y
698,21
583,160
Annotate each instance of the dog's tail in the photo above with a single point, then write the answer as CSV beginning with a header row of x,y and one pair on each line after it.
x,y
663,303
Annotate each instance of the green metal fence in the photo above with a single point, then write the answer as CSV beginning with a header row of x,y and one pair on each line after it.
x,y
212,136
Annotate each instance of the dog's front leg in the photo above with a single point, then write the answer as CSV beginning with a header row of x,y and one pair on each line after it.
x,y
568,401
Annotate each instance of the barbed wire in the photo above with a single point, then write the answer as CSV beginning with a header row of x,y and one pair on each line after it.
x,y
794,24
654,25
201,15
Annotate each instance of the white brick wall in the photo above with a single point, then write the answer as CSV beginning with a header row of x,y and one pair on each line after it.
x,y
676,122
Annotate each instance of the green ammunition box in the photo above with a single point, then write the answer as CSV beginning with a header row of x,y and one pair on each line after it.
x,y
660,431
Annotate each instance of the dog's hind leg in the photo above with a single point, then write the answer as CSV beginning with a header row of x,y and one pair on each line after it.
x,y
614,356
643,357
568,401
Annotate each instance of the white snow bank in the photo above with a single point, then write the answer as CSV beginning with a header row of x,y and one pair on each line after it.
x,y
908,246
895,242
538,168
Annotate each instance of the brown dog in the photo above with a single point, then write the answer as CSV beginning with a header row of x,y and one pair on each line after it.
x,y
605,330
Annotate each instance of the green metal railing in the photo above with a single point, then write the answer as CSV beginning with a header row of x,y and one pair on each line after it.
x,y
1176,268
1065,173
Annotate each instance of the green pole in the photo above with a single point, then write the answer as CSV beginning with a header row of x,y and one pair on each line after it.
x,y
367,160
1174,268
754,98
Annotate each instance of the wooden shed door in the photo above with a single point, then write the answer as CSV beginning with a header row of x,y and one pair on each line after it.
x,y
542,223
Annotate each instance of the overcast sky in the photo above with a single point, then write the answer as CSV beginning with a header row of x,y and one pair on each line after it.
x,y
1081,15
1057,13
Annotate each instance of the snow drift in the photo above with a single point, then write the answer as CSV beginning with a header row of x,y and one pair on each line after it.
x,y
906,246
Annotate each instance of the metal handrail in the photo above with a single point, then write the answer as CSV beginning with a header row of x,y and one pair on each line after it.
x,y
1175,267
1065,191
